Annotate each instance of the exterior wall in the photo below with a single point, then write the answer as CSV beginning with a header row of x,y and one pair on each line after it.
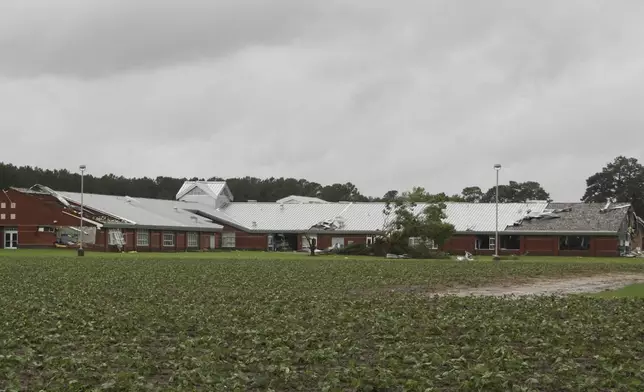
x,y
540,245
33,211
244,240
605,246
459,244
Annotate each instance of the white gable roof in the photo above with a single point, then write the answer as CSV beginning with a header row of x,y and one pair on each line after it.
x,y
213,189
300,199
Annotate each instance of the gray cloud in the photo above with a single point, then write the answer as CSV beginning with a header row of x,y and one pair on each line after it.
x,y
387,96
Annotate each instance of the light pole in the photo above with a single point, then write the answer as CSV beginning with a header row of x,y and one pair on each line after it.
x,y
81,251
497,168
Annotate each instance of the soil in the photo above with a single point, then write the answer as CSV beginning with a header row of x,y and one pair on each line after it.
x,y
561,286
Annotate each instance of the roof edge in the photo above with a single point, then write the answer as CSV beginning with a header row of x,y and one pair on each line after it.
x,y
162,227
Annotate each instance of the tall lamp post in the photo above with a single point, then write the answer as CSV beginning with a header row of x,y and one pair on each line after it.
x,y
81,251
497,168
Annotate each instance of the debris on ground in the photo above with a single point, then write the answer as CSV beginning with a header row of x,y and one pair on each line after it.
x,y
574,285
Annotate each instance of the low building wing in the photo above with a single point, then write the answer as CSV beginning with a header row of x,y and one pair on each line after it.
x,y
574,217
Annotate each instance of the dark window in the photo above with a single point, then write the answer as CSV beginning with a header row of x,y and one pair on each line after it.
x,y
511,242
574,242
484,242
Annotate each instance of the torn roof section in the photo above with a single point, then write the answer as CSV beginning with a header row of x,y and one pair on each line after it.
x,y
574,217
125,211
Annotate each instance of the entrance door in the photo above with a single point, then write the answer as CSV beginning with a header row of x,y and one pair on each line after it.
x,y
10,239
212,241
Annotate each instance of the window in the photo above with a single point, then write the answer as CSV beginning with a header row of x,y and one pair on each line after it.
x,y
3,216
46,229
3,205
369,241
193,240
416,241
228,239
142,238
116,237
573,242
510,242
13,205
485,242
168,239
13,216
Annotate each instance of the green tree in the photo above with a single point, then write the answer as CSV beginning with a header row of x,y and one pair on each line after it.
x,y
516,192
472,194
621,180
407,218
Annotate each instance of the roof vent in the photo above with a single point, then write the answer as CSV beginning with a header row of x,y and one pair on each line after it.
x,y
129,199
254,224
281,206
194,218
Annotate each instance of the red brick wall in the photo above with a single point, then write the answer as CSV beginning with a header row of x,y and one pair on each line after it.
x,y
541,245
245,240
31,212
605,246
459,244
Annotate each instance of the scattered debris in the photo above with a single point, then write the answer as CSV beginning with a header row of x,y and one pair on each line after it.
x,y
572,285
637,252
395,256
468,257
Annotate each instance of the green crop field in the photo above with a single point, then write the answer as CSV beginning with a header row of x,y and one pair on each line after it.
x,y
246,321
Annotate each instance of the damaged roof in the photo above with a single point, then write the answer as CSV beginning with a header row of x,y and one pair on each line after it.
x,y
575,217
364,217
142,212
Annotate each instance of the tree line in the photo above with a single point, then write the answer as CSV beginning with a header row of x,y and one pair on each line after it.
x,y
621,180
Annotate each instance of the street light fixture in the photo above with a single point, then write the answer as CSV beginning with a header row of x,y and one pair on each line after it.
x,y
81,251
497,168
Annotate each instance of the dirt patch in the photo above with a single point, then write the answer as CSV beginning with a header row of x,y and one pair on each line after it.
x,y
560,286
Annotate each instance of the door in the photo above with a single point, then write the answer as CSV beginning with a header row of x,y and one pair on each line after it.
x,y
212,241
337,242
11,239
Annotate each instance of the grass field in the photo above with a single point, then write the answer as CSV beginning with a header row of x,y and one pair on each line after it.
x,y
257,321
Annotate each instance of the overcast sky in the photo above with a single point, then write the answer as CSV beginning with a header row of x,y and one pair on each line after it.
x,y
384,94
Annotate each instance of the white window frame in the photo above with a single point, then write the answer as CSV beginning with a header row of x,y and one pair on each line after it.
x,y
142,238
228,239
12,216
3,205
492,242
13,205
370,240
192,239
3,216
415,241
168,239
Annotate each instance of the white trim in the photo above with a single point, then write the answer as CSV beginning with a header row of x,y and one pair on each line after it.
x,y
226,237
194,236
166,243
140,237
